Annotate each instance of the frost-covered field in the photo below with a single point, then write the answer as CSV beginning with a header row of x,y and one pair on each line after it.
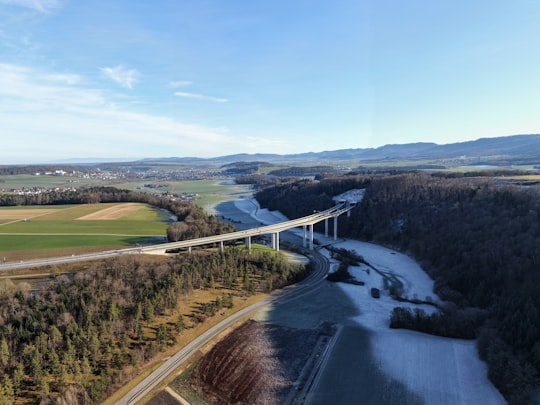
x,y
439,370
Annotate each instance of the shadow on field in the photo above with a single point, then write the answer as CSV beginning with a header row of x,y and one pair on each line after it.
x,y
351,374
301,328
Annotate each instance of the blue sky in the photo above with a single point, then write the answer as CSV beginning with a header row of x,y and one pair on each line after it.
x,y
131,79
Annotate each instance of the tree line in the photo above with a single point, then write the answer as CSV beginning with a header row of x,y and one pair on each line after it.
x,y
477,238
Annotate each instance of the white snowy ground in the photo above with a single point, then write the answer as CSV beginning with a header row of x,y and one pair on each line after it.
x,y
442,371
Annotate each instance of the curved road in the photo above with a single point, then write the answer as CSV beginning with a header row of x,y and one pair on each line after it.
x,y
321,266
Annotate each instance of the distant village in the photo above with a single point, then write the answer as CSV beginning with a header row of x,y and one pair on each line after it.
x,y
156,178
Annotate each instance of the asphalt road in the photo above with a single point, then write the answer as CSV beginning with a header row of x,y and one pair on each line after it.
x,y
60,260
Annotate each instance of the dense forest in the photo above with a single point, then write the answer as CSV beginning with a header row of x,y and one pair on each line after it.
x,y
479,239
300,198
82,336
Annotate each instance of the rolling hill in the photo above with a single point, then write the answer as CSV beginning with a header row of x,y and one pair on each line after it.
x,y
515,149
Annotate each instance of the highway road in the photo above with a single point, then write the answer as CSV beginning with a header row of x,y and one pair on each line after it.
x,y
26,264
320,268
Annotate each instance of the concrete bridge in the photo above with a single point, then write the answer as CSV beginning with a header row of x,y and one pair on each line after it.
x,y
306,223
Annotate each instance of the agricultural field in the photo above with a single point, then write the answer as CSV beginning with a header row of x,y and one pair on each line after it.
x,y
29,181
49,231
205,193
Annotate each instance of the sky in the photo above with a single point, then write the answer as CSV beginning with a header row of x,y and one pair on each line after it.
x,y
130,79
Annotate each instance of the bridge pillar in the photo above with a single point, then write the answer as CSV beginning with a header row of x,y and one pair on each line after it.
x,y
326,227
335,227
189,249
221,246
310,236
304,240
275,241
248,243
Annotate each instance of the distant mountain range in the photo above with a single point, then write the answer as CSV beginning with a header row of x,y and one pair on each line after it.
x,y
524,149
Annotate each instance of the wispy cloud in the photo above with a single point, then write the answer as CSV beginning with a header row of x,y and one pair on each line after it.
x,y
43,6
70,79
119,74
200,97
180,83
185,94
47,115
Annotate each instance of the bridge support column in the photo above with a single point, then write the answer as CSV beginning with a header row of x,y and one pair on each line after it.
x,y
326,227
304,240
310,236
248,243
335,227
189,249
221,246
275,241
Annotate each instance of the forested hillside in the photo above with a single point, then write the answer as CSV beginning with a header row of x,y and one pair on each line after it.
x,y
86,333
478,239
78,338
300,198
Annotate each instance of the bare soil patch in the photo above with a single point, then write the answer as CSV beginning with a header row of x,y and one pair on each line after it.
x,y
112,213
257,363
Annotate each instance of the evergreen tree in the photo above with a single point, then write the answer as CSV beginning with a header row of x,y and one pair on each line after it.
x,y
18,378
9,390
4,353
180,324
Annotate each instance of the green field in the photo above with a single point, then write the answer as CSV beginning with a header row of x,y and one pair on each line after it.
x,y
47,231
207,192
28,181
